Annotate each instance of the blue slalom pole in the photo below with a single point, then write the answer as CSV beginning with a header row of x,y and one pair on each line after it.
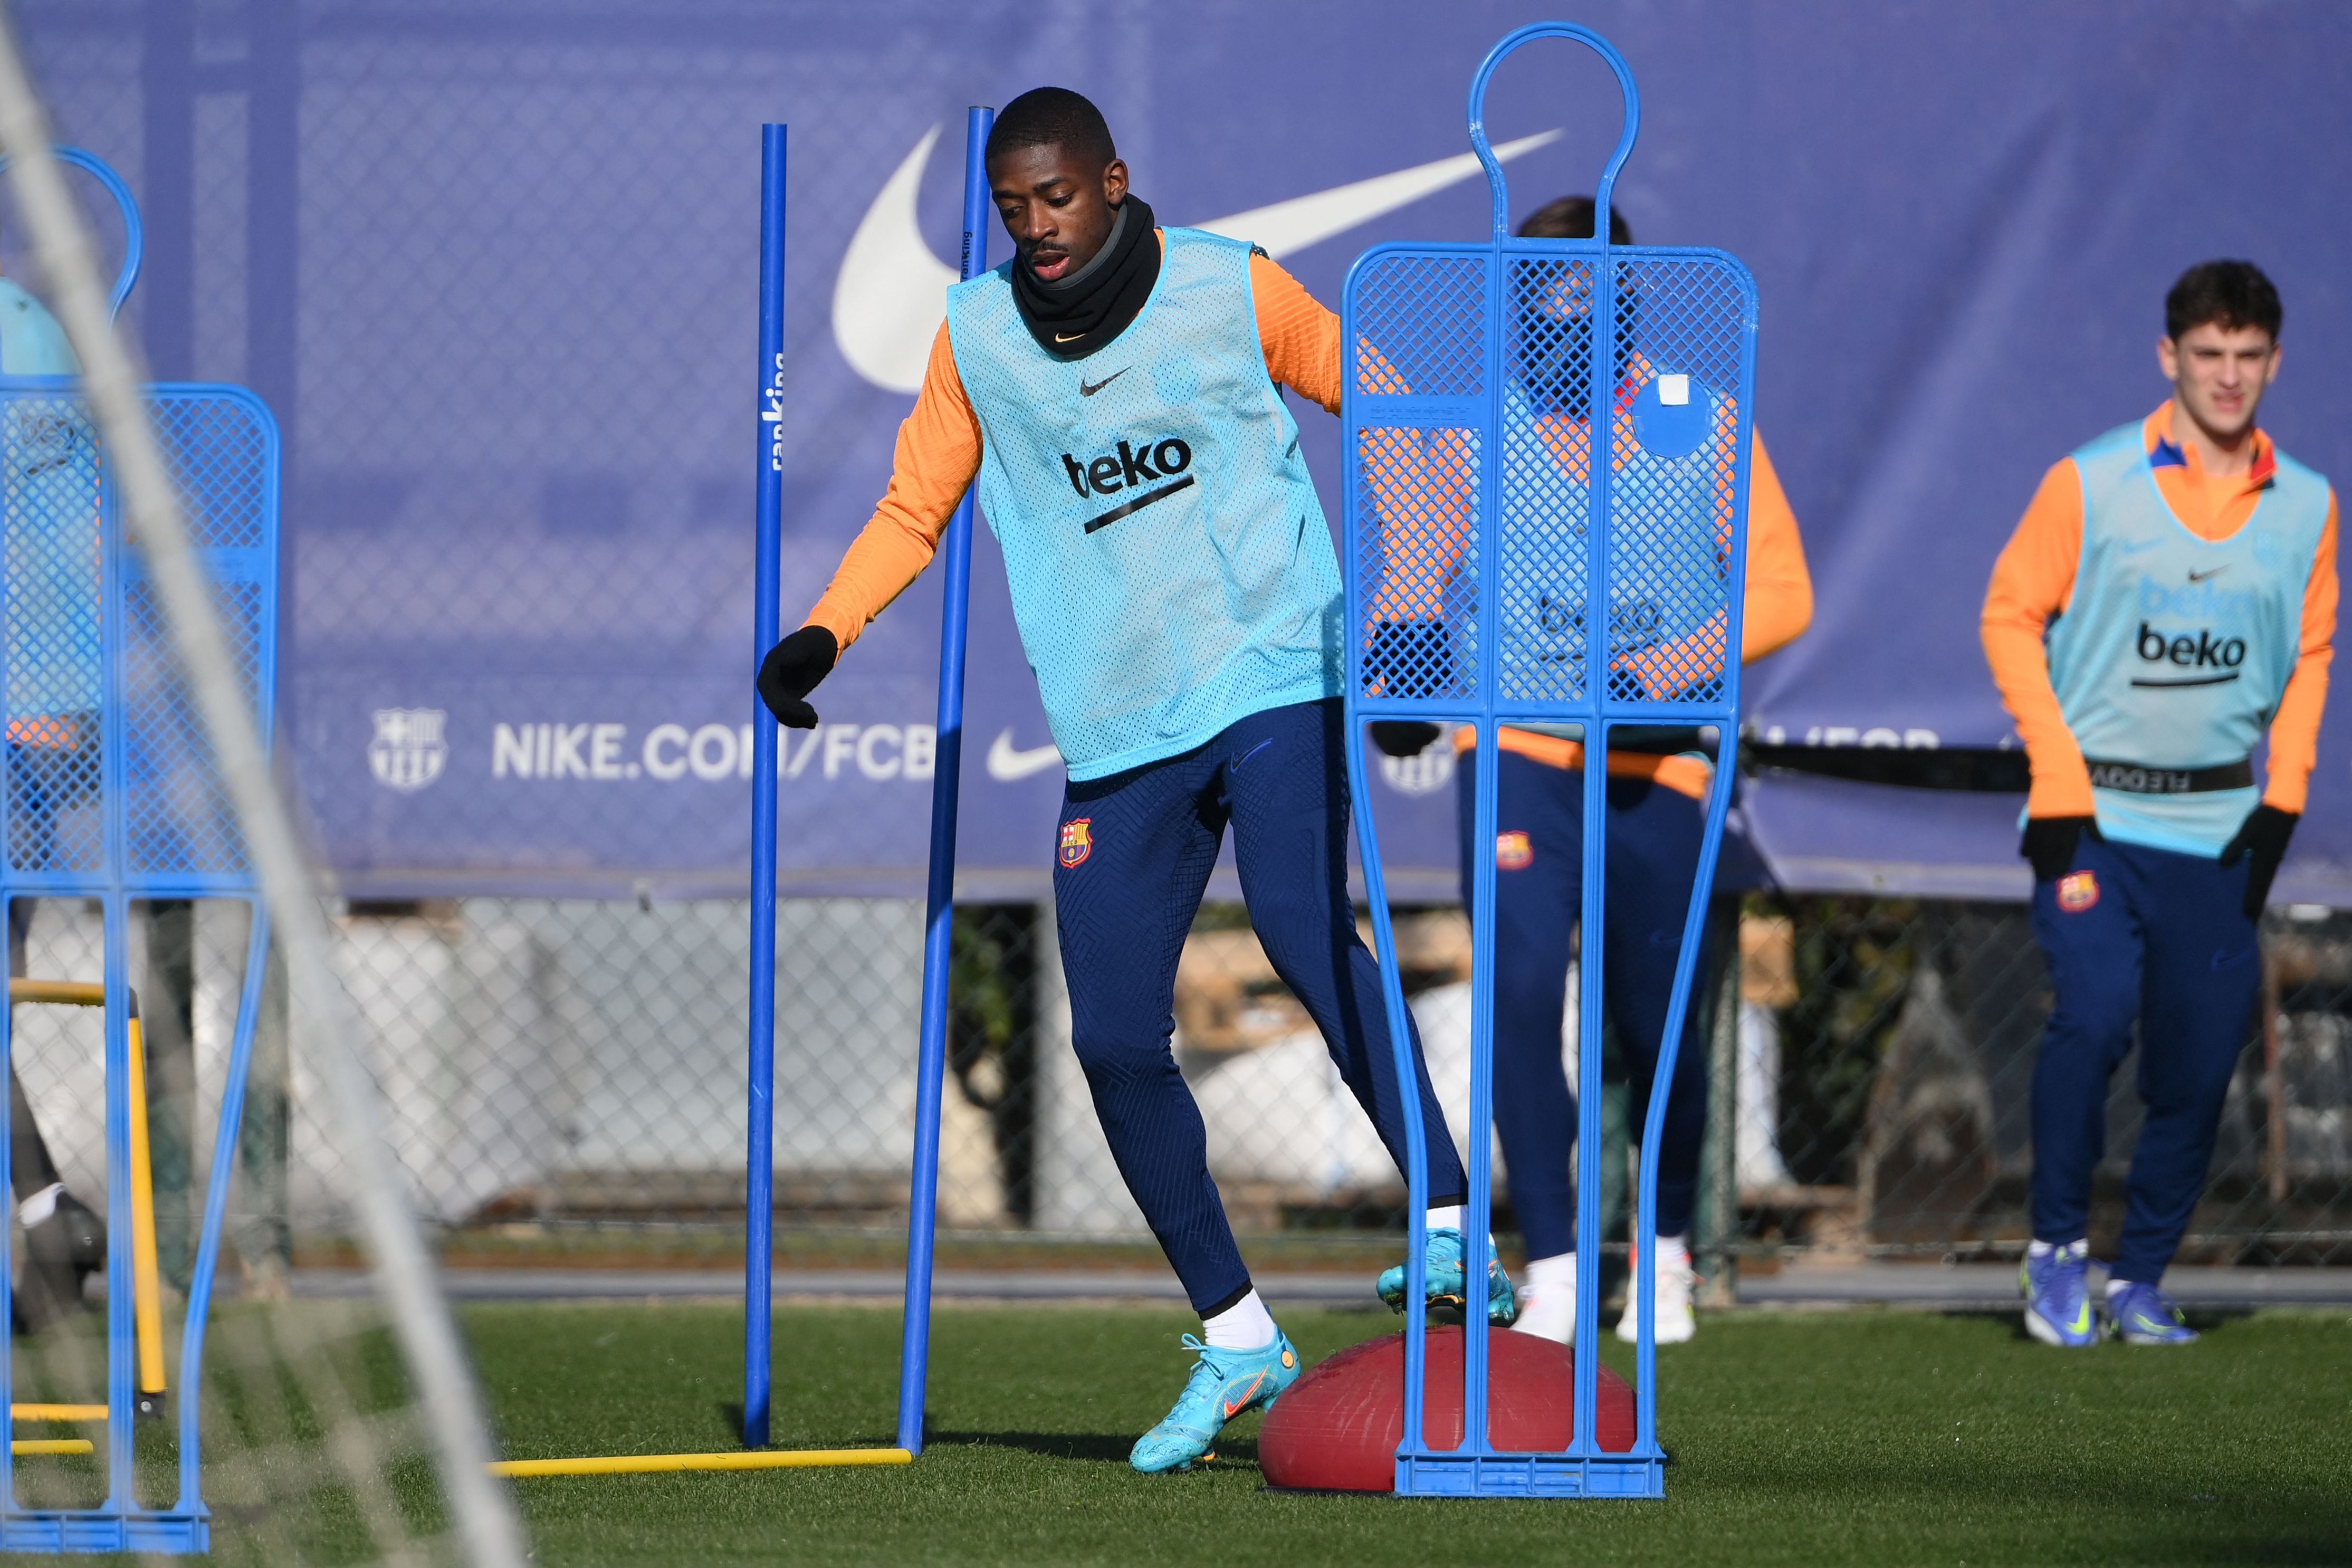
x,y
759,1200
938,920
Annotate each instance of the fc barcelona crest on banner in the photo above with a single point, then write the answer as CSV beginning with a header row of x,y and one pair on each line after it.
x,y
408,752
1077,841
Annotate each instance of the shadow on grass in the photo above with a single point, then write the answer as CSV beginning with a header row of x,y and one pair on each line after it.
x,y
1101,1448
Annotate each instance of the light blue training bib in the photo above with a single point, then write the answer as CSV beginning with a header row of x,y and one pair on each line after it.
x,y
1170,569
2176,649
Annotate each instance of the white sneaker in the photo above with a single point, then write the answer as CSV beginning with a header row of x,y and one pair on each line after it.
x,y
1548,1299
1675,1323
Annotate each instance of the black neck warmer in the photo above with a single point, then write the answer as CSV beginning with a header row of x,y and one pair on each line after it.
x,y
1072,316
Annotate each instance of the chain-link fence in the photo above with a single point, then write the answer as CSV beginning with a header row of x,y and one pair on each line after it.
x,y
491,266
565,1082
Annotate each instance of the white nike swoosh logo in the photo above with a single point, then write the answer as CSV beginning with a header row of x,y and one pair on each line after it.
x,y
890,295
1005,764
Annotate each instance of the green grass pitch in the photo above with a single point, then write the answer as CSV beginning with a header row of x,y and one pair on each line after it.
x,y
1866,1437
1863,1437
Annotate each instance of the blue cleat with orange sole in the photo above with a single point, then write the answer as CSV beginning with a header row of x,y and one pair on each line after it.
x,y
1446,1290
1223,1385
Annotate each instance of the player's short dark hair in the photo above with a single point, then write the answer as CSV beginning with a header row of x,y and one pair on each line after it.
x,y
2226,294
1571,218
1053,116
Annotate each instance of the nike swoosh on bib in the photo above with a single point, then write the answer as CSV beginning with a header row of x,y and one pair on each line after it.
x,y
1088,390
1005,765
890,295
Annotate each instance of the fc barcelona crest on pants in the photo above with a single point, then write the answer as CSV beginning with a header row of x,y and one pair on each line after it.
x,y
1514,852
1077,841
2077,892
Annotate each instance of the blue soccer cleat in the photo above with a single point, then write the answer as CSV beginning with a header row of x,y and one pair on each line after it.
x,y
2057,1290
1445,1287
1223,1384
2144,1315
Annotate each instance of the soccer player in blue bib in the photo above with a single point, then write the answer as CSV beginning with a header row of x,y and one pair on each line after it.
x,y
2168,603
1113,389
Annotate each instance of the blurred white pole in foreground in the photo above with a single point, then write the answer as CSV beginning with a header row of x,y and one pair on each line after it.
x,y
406,1279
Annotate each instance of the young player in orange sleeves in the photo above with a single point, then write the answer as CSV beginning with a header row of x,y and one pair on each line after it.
x,y
2168,603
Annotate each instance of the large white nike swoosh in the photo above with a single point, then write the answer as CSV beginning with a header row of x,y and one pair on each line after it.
x,y
890,295
1005,764
1302,221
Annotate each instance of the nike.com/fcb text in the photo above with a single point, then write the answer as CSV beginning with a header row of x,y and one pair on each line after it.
x,y
711,753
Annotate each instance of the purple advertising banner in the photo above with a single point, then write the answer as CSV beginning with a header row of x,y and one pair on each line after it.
x,y
494,267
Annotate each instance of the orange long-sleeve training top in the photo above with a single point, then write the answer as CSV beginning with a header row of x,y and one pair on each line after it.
x,y
939,449
2035,580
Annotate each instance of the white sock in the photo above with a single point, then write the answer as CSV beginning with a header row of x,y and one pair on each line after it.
x,y
1245,1325
1675,1247
34,1210
1448,1218
2044,1249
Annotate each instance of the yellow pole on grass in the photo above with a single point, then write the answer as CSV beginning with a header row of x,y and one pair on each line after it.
x,y
50,1445
69,993
146,1273
648,1464
57,1412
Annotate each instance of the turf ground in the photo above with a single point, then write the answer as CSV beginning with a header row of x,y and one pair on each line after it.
x,y
1831,1438
1862,1436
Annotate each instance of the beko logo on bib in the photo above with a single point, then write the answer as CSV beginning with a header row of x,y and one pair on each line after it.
x,y
2198,650
1133,464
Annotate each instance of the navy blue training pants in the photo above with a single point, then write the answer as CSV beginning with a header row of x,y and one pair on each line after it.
x,y
1655,836
2130,932
1134,856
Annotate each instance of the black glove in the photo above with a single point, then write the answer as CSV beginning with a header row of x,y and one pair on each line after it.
x,y
2050,843
2263,835
791,672
1404,737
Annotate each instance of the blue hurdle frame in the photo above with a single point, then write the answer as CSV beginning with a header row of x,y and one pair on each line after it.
x,y
119,1523
930,1062
1584,1468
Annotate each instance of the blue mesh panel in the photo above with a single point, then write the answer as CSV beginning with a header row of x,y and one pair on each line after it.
x,y
1473,482
65,568
49,467
1677,478
1417,386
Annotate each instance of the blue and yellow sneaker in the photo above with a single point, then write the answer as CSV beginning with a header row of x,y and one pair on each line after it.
x,y
2144,1315
1445,1287
1223,1385
2057,1290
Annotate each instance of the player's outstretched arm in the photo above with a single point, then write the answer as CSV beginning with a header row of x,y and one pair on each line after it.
x,y
2033,581
1780,585
2293,732
937,455
1299,337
